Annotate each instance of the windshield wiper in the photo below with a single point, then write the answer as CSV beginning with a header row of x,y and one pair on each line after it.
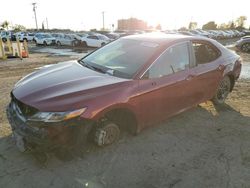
x,y
91,67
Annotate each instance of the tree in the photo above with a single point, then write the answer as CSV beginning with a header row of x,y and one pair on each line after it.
x,y
223,26
232,25
158,27
183,29
241,21
192,25
210,26
5,25
18,27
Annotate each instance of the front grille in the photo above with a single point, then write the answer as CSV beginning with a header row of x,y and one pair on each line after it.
x,y
26,110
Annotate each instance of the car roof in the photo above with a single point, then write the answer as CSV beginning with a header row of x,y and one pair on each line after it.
x,y
161,38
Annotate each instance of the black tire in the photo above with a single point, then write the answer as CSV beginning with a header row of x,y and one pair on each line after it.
x,y
58,43
36,42
222,92
106,134
103,43
4,39
245,47
45,43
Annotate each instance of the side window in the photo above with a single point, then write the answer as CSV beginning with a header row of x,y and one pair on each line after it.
x,y
92,37
204,52
173,60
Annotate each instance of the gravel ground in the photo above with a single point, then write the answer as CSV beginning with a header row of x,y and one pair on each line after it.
x,y
206,146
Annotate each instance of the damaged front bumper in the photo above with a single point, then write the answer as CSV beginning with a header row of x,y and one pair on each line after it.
x,y
43,136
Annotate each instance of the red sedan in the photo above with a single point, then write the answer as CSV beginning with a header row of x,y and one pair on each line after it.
x,y
128,84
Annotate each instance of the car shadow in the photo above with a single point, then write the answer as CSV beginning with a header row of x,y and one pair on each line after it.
x,y
167,154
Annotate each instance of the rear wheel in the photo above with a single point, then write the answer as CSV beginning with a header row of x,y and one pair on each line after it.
x,y
4,39
246,47
222,91
106,134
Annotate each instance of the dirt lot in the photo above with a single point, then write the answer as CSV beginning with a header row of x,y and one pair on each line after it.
x,y
206,146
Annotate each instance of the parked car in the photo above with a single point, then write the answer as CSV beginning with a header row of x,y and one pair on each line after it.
x,y
5,35
198,33
95,40
128,84
186,33
44,39
112,36
67,40
243,44
24,36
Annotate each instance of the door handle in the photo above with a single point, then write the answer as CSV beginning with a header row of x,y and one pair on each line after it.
x,y
190,77
153,83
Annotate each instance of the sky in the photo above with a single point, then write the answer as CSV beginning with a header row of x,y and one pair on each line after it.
x,y
87,14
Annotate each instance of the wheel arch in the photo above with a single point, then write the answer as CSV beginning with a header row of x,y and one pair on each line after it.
x,y
232,80
123,115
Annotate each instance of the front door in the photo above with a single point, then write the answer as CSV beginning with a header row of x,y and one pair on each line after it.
x,y
166,88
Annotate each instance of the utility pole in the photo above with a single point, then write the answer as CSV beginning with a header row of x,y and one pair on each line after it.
x,y
47,23
103,26
34,9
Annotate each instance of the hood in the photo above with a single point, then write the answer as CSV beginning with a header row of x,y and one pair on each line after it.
x,y
62,87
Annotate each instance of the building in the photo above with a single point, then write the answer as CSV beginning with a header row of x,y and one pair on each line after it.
x,y
131,24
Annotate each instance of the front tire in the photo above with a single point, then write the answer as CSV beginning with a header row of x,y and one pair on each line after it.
x,y
45,43
222,91
106,134
4,39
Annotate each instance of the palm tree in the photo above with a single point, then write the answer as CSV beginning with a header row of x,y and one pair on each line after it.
x,y
5,24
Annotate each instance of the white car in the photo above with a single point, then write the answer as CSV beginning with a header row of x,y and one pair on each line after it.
x,y
4,35
95,40
23,36
66,40
45,39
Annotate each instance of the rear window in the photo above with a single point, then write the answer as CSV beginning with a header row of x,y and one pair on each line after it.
x,y
205,52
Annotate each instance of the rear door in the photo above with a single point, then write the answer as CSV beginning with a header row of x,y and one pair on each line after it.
x,y
93,41
166,87
208,68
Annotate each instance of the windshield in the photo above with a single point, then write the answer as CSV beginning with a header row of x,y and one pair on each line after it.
x,y
47,36
122,58
102,37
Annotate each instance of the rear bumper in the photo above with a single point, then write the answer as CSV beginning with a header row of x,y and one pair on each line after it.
x,y
45,136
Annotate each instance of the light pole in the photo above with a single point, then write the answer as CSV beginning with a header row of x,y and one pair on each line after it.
x,y
103,20
47,23
34,9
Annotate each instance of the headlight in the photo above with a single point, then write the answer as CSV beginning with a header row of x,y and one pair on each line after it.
x,y
56,116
